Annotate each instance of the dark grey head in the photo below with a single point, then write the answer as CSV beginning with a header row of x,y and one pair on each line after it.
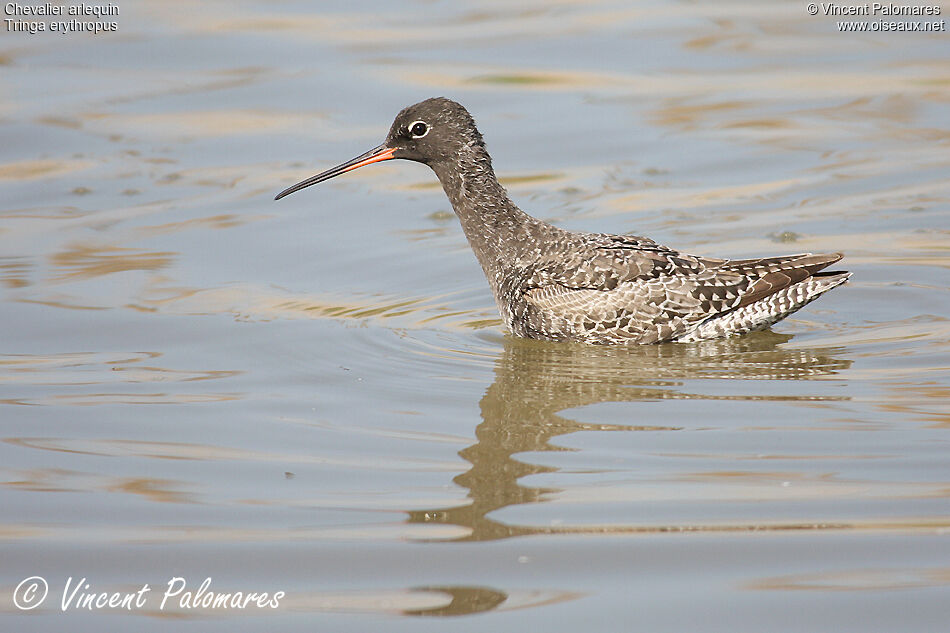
x,y
434,132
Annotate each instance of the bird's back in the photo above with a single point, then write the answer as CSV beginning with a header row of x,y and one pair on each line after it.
x,y
608,289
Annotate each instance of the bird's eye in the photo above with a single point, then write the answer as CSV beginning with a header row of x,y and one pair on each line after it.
x,y
418,129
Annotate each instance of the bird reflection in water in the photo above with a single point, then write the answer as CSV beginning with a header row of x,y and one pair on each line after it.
x,y
536,380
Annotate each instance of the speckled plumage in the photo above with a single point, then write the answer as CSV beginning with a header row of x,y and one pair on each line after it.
x,y
561,285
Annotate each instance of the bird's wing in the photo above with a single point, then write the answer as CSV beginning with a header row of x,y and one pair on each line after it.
x,y
642,310
772,274
656,294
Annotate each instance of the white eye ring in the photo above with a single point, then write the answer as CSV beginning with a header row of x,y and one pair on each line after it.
x,y
414,124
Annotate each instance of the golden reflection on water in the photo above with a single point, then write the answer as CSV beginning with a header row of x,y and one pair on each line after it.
x,y
204,124
221,221
94,399
15,271
85,261
92,368
99,370
63,480
858,580
253,303
36,169
929,403
466,600
153,489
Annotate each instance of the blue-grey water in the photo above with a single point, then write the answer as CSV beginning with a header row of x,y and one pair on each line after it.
x,y
316,397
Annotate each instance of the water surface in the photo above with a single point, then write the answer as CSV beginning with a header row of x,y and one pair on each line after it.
x,y
316,396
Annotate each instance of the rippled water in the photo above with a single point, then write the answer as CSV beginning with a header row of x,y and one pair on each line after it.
x,y
316,396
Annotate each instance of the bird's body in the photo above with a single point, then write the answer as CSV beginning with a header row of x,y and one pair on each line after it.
x,y
554,284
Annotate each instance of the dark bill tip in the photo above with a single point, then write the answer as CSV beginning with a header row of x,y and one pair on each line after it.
x,y
375,155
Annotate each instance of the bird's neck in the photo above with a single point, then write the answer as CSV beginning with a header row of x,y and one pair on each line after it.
x,y
493,224
503,237
500,234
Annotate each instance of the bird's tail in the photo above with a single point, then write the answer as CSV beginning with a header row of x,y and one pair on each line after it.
x,y
768,310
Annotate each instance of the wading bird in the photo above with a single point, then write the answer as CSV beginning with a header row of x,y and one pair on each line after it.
x,y
598,288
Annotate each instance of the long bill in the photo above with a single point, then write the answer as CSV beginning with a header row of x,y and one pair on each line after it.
x,y
375,155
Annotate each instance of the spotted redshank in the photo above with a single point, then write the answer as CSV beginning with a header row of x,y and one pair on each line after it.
x,y
561,285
